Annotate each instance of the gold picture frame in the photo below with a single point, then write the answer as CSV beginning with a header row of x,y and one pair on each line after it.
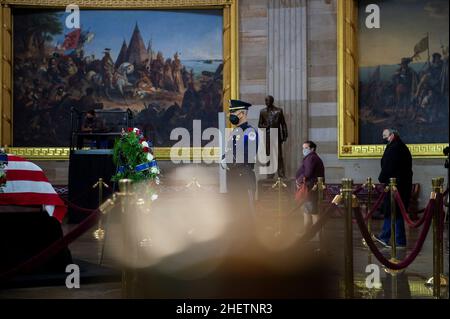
x,y
348,121
230,67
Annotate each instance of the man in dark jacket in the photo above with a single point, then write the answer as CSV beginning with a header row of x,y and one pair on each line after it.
x,y
396,162
311,168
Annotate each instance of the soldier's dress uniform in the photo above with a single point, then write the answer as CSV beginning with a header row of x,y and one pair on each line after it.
x,y
241,179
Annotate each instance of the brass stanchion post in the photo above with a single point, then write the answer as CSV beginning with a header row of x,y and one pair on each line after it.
x,y
370,187
438,279
444,279
126,192
393,259
99,233
279,183
436,244
320,190
393,189
347,185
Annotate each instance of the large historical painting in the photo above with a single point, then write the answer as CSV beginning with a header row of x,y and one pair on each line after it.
x,y
165,66
403,71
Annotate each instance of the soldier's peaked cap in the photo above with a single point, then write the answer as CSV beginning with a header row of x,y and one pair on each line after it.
x,y
238,105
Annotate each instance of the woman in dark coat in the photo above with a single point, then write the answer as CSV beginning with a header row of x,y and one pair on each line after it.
x,y
311,168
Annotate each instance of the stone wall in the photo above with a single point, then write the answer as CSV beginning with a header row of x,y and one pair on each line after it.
x,y
273,61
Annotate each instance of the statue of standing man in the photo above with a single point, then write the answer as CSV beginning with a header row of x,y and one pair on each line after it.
x,y
272,117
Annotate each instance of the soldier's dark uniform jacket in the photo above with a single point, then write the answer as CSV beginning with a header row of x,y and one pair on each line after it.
x,y
244,138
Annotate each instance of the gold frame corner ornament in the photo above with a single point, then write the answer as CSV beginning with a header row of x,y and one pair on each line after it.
x,y
348,121
230,66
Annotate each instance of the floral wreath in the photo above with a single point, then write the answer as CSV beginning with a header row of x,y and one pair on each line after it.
x,y
134,157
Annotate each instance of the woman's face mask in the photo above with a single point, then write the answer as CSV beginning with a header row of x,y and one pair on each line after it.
x,y
306,152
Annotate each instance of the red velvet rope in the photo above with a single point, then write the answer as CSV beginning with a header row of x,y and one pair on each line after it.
x,y
79,208
53,248
324,217
380,188
417,248
340,212
374,208
405,215
327,194
358,190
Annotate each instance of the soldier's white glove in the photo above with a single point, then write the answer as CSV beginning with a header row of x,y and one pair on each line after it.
x,y
223,163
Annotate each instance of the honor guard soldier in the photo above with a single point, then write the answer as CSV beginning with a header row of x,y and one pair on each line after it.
x,y
239,158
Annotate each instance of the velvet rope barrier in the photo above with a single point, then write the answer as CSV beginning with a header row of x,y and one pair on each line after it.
x,y
79,208
380,188
339,211
405,215
358,190
375,207
417,248
52,249
324,217
336,212
294,209
327,195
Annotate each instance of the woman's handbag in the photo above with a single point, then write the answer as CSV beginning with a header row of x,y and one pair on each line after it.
x,y
302,192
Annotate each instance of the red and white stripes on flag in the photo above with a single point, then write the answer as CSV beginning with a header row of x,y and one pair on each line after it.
x,y
27,185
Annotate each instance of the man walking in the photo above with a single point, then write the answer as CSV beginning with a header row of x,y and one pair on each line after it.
x,y
396,162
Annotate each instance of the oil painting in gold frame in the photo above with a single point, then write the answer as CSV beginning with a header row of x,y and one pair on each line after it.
x,y
229,60
349,139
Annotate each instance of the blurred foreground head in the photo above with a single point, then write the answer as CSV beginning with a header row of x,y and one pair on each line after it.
x,y
195,244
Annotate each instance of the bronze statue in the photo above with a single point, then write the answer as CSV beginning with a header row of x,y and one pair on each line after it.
x,y
272,117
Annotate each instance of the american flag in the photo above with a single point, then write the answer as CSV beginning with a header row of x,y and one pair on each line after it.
x,y
27,185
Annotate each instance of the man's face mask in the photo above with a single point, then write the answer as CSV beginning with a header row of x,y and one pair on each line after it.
x,y
234,119
386,138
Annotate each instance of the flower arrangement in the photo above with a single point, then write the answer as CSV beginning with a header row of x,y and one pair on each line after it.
x,y
134,157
